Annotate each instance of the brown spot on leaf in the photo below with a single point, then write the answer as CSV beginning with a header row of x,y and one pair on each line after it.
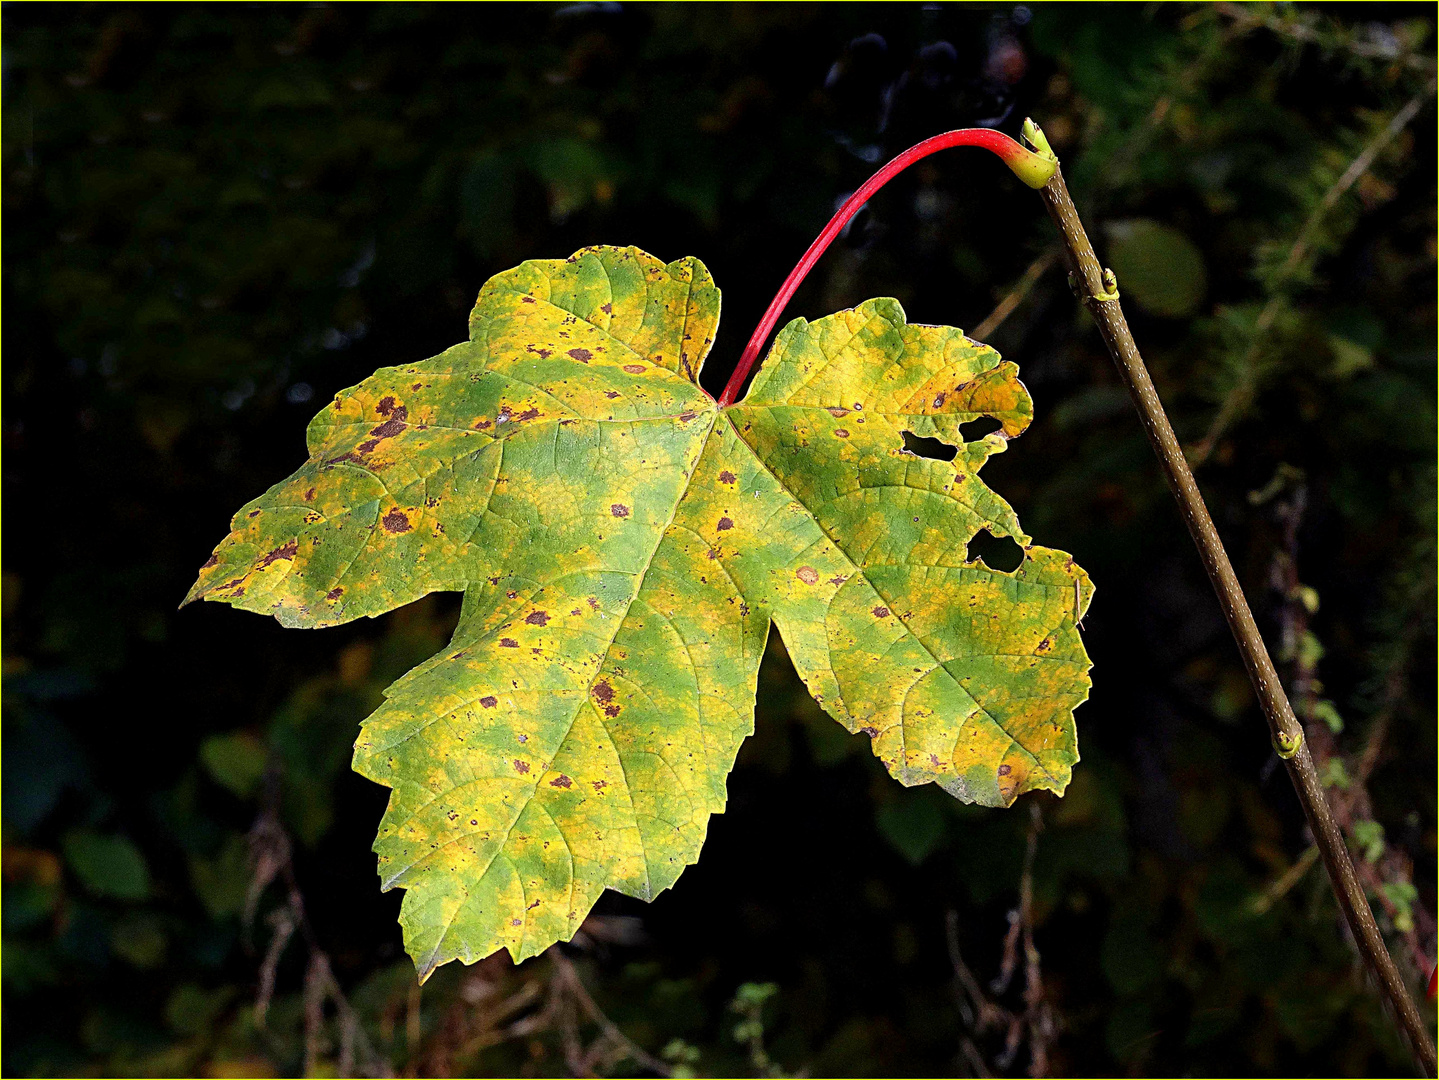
x,y
386,405
611,394
619,510
837,412
1003,770
686,417
388,430
537,618
335,593
310,495
528,414
561,781
284,551
509,643
253,513
527,299
635,369
604,693
612,711
594,603
870,731
808,574
841,433
489,701
839,580
880,612
394,425
599,785
726,477
938,400
582,355
213,560
396,521
724,524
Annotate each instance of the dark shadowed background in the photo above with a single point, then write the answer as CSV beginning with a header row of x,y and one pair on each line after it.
x,y
217,217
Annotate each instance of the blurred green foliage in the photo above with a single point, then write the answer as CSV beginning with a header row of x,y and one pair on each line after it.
x,y
217,217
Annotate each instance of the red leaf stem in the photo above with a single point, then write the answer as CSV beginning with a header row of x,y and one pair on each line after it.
x,y
1026,165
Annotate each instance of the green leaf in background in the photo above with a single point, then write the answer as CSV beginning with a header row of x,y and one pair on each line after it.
x,y
236,761
108,865
1159,268
913,825
623,545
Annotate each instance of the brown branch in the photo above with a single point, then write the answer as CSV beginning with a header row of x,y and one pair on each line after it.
x,y
1286,734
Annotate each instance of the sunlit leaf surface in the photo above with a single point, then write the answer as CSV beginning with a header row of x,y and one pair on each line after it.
x,y
624,545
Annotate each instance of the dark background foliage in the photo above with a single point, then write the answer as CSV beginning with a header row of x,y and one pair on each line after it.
x,y
217,217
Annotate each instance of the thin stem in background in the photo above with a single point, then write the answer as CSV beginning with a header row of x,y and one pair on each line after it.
x,y
1243,391
1012,299
1101,298
1301,28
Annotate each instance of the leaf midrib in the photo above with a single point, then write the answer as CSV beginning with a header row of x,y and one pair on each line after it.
x,y
539,774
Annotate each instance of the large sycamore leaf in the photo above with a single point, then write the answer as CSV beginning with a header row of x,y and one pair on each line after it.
x,y
623,545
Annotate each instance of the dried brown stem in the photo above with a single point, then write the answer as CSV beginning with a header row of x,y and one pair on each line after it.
x,y
566,973
980,1014
1285,730
271,859
1349,800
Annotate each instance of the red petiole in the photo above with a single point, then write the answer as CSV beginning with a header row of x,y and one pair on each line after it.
x,y
1033,168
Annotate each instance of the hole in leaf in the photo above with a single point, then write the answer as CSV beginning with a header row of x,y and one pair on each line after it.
x,y
997,552
974,430
924,446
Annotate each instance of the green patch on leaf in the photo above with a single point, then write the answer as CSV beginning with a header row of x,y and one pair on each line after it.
x,y
624,545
